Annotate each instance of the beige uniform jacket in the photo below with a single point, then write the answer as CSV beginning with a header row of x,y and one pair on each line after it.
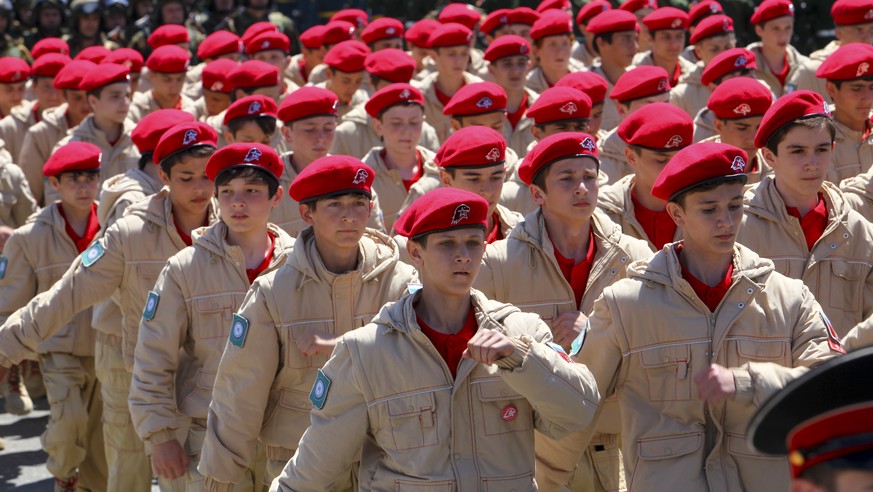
x,y
193,87
34,258
433,108
690,94
853,154
581,54
761,167
134,251
122,191
612,159
610,114
274,407
292,71
801,74
838,270
704,125
183,336
477,66
821,55
860,336
16,202
355,136
536,79
359,98
650,335
420,429
144,104
14,127
615,200
393,197
858,194
520,137
39,141
645,58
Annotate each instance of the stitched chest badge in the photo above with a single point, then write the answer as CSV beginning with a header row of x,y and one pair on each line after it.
x,y
151,306
3,263
239,328
318,395
92,254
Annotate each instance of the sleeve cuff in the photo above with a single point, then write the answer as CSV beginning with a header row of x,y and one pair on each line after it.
x,y
745,385
159,437
516,359
212,485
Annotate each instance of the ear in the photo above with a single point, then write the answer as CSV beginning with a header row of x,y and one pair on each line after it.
x,y
278,197
801,485
676,213
719,126
697,51
446,178
455,125
622,109
305,214
328,73
537,194
537,133
377,126
831,89
632,158
165,179
770,157
56,184
228,137
759,30
286,134
414,249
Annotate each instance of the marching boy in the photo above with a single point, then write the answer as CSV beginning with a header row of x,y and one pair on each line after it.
x,y
444,387
337,258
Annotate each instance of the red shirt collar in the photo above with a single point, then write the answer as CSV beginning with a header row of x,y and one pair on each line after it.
x,y
82,242
658,226
813,223
783,74
515,117
451,347
254,272
496,233
711,296
577,274
677,73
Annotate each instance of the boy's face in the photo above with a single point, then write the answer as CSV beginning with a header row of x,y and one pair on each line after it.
x,y
510,72
50,19
400,127
344,84
190,188
626,109
803,161
707,49
311,138
338,222
249,132
858,33
740,133
77,104
167,84
522,30
450,260
486,182
451,60
113,103
550,129
245,205
622,49
668,43
314,55
216,102
776,33
554,52
647,166
46,94
77,190
12,94
277,58
571,190
596,119
710,219
382,44
854,98
493,120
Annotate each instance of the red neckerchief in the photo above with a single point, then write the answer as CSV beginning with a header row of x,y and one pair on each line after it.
x,y
443,97
677,72
496,233
515,117
658,226
254,272
813,223
186,238
82,242
36,112
451,347
783,74
419,169
866,130
304,74
711,296
577,274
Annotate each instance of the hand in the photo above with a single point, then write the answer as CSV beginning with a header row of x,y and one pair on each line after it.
x,y
313,342
169,460
5,232
488,346
567,326
715,384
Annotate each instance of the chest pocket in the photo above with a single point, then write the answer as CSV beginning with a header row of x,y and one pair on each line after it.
x,y
48,275
668,372
214,315
298,334
413,421
762,351
503,409
847,285
147,275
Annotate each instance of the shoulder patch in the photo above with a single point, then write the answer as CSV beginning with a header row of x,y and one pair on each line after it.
x,y
576,346
318,395
560,350
151,306
3,263
92,254
834,342
239,329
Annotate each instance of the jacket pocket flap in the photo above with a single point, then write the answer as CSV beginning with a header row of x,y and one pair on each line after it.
x,y
296,400
496,390
846,270
761,349
206,380
668,447
404,406
213,304
664,356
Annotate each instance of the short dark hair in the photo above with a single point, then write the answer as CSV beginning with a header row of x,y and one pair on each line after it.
x,y
421,239
313,203
248,91
254,175
839,83
707,186
267,124
405,103
606,37
145,159
817,122
77,173
539,179
193,153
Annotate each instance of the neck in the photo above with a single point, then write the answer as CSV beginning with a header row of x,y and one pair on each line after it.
x,y
77,217
646,199
514,99
553,74
449,84
613,71
570,239
338,260
166,101
151,171
254,245
442,312
72,121
401,161
775,57
492,209
111,129
710,268
852,124
187,220
666,64
299,163
803,203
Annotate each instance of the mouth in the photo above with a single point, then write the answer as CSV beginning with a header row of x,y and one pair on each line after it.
x,y
582,204
239,217
725,237
464,274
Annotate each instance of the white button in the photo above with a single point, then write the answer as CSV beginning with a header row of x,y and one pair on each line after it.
x,y
833,245
623,259
612,271
845,235
750,290
741,305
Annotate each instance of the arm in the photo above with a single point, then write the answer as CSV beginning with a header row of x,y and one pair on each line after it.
x,y
18,281
31,163
25,205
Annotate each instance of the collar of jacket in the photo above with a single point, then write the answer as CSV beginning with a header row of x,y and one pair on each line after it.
x,y
51,216
87,131
157,211
616,199
114,188
56,117
213,238
793,56
24,112
375,160
289,173
400,315
765,202
376,251
358,115
859,184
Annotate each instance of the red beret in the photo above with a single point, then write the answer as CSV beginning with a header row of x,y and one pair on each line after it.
x,y
592,84
169,59
551,23
560,104
714,25
634,5
476,98
451,34
257,28
94,54
130,58
382,28
704,9
336,32
591,10
443,209
312,37
546,5
219,43
658,126
472,147
215,75
507,45
523,15
268,41
70,77
50,45
393,95
772,9
698,165
356,17
642,81
726,62
348,56
308,102
105,75
666,18
850,61
253,73
848,12
554,148
332,175
184,136
168,34
495,20
390,64
251,107
793,106
148,132
240,154
419,33
612,21
74,156
49,65
740,97
460,13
